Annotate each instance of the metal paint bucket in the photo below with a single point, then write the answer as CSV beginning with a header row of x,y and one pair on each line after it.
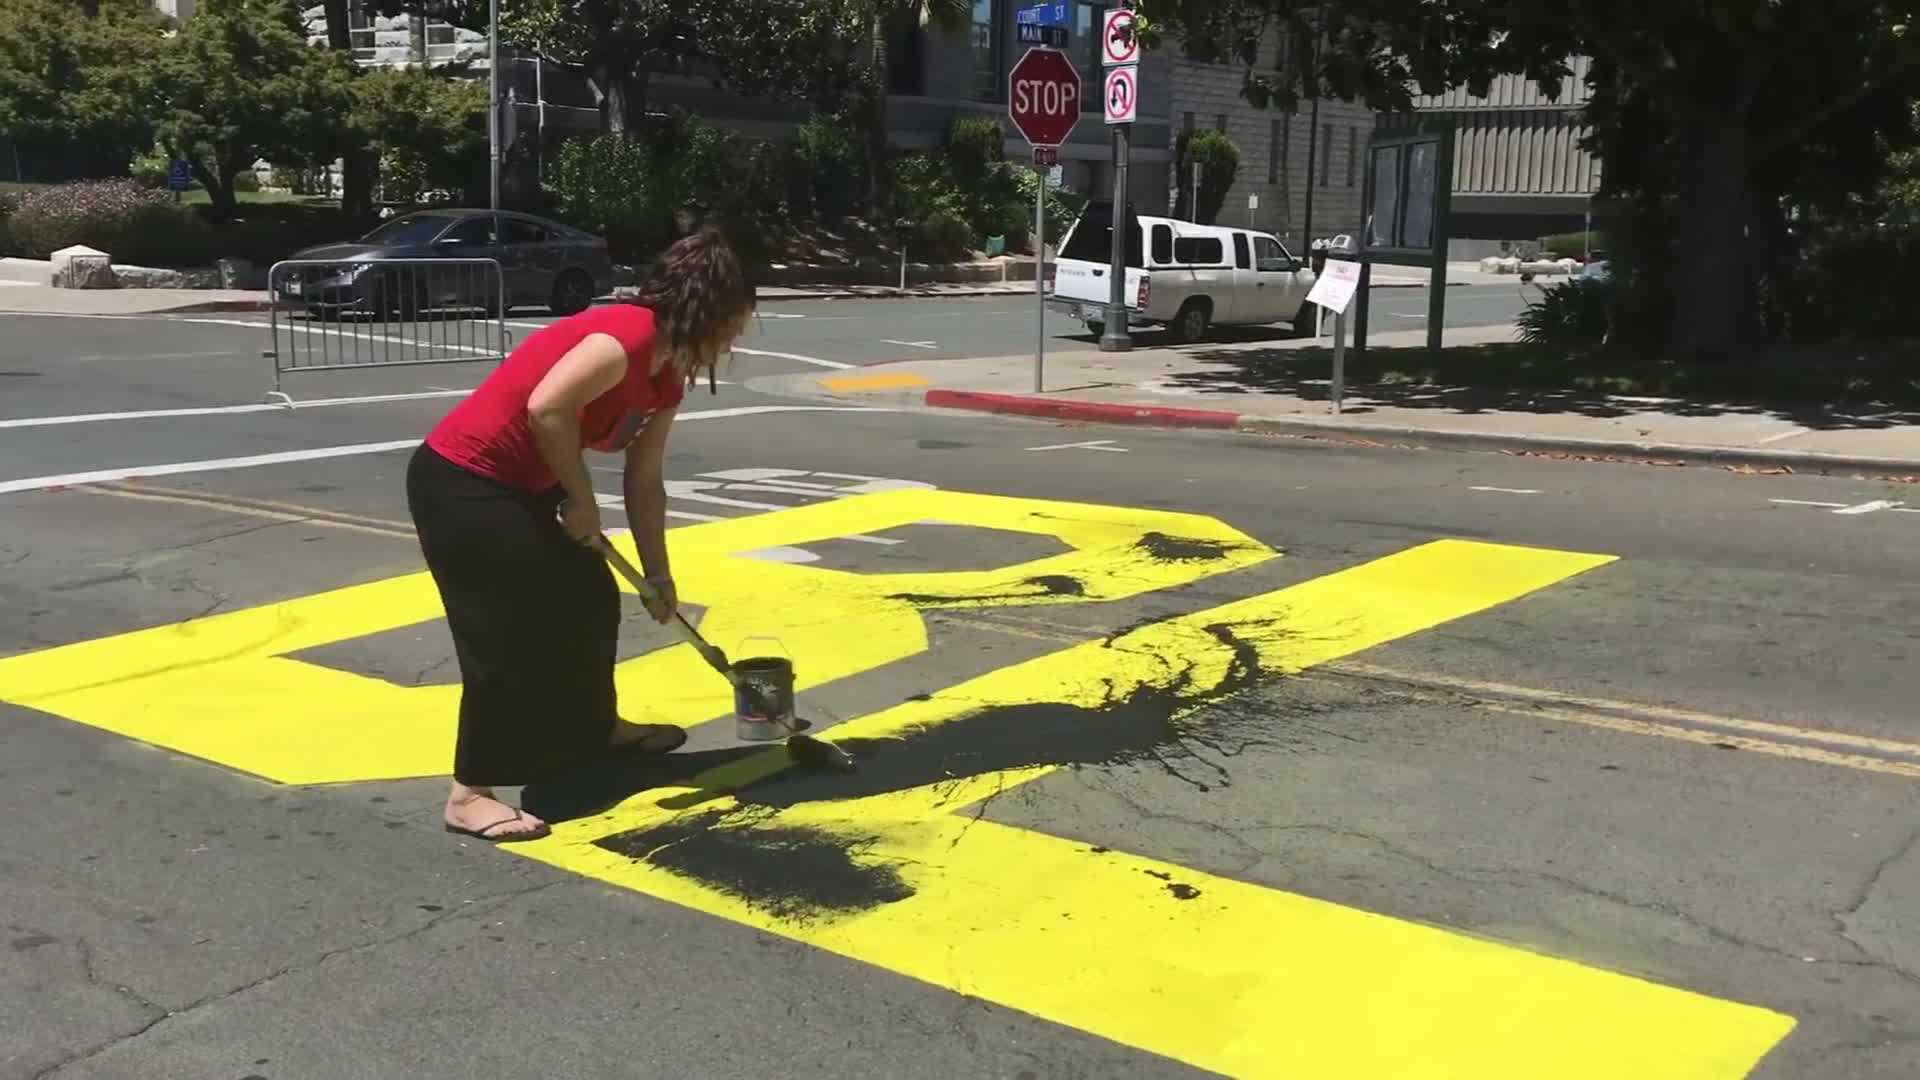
x,y
763,696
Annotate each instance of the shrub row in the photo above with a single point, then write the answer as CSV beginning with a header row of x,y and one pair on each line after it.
x,y
134,224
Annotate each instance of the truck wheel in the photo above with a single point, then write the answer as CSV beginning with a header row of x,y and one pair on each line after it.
x,y
1191,324
1097,329
1304,319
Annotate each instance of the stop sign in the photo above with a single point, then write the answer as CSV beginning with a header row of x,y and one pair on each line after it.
x,y
1043,96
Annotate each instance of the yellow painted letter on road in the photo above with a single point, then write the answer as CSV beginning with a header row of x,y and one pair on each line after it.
x,y
1222,974
229,688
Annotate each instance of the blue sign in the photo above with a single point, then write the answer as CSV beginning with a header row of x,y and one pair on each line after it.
x,y
1051,13
179,175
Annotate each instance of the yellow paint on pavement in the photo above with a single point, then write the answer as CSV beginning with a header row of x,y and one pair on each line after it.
x,y
880,380
228,688
1221,974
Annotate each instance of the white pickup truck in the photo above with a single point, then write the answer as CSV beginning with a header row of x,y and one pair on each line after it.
x,y
1183,276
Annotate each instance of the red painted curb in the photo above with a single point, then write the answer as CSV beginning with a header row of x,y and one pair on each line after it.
x,y
1093,412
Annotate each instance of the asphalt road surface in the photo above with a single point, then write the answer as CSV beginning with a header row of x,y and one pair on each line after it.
x,y
1179,753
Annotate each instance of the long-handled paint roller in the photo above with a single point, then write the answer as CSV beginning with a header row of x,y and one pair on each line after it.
x,y
804,749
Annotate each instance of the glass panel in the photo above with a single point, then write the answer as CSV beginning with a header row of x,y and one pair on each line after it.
x,y
1268,257
1423,160
1086,31
1199,251
1162,244
986,72
1241,257
1384,216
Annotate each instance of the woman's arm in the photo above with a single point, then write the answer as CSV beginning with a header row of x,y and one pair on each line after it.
x,y
645,488
589,369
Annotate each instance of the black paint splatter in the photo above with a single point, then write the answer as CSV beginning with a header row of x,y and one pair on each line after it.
x,y
1183,548
1182,891
790,872
1042,587
1152,723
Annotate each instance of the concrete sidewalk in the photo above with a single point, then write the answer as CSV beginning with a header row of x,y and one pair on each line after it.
x,y
1233,386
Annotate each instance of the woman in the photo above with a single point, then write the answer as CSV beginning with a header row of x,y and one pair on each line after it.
x,y
510,527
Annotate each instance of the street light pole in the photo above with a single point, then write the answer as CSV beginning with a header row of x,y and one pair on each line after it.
x,y
493,103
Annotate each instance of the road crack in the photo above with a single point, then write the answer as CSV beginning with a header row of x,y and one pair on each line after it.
x,y
472,907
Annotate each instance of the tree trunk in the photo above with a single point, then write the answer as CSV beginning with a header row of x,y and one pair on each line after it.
x,y
880,86
1712,317
358,165
623,95
221,202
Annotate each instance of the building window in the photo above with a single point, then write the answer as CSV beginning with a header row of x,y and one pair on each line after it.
x,y
1220,123
986,50
1088,18
1274,137
1353,155
1326,155
1186,123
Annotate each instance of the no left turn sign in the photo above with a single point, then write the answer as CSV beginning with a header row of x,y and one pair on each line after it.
x,y
1122,94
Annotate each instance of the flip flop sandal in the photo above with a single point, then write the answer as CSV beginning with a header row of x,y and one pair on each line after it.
x,y
664,739
485,832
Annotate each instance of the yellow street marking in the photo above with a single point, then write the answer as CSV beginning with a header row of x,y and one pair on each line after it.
x,y
1221,974
228,688
882,380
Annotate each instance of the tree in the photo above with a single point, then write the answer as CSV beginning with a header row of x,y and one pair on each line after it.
x,y
890,21
71,81
1219,159
427,128
1727,89
359,167
239,83
781,49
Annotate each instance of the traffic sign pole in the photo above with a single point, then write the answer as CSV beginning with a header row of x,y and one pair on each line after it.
x,y
1119,48
1043,100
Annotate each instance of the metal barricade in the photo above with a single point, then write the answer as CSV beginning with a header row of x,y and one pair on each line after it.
x,y
329,315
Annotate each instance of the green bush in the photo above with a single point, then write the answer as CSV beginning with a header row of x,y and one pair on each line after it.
x,y
1219,160
7,205
1572,315
928,199
149,170
1062,206
829,169
1854,284
133,224
1571,245
246,180
609,185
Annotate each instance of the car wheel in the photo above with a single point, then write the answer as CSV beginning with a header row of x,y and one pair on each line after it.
x,y
573,292
1097,329
1191,324
1305,320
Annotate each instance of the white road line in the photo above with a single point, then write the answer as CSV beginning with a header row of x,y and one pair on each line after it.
x,y
1804,502
481,354
1507,491
222,410
1869,507
1783,436
40,483
1104,445
814,360
910,344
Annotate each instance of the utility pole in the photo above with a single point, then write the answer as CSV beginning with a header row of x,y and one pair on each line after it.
x,y
494,153
1119,50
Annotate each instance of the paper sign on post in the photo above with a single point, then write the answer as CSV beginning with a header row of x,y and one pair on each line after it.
x,y
1334,289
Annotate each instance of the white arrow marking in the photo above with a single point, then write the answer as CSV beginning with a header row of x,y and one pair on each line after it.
x,y
1105,445
908,344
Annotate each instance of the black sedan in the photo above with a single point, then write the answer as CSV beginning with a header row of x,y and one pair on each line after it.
x,y
390,271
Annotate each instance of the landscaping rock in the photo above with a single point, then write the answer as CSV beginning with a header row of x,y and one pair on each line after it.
x,y
1500,264
148,277
82,267
238,274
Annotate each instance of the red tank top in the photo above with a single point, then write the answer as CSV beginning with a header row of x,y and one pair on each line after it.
x,y
489,432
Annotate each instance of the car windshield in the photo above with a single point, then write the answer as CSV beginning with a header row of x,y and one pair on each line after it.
x,y
408,231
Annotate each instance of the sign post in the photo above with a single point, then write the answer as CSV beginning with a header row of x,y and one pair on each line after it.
x,y
1120,56
1043,100
179,177
1334,291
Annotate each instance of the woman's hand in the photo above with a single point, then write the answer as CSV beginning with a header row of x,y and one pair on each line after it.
x,y
580,519
664,601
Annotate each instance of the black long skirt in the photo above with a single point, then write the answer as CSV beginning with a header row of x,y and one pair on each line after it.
x,y
535,617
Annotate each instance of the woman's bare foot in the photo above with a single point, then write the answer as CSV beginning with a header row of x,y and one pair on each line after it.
x,y
646,738
473,811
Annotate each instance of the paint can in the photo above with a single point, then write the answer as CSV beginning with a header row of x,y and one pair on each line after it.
x,y
763,696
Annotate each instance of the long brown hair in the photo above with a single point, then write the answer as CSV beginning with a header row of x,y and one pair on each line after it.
x,y
700,297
